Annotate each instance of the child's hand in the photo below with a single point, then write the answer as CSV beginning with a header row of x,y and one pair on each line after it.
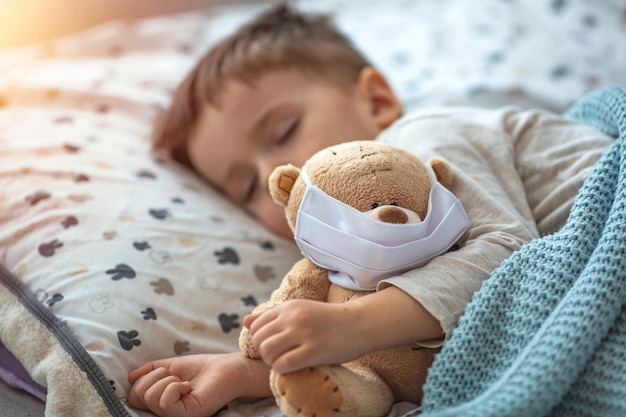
x,y
196,385
162,392
302,333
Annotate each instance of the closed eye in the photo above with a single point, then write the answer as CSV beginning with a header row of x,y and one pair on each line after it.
x,y
251,188
287,129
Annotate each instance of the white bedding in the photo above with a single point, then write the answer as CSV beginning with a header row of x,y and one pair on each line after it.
x,y
141,260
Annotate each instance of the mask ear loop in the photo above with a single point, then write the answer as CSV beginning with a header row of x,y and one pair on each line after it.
x,y
306,178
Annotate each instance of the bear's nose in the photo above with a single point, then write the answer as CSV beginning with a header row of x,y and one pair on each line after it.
x,y
392,215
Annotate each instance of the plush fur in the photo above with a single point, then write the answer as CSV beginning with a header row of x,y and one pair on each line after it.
x,y
361,174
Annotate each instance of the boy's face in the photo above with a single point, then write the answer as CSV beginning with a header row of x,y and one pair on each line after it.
x,y
285,116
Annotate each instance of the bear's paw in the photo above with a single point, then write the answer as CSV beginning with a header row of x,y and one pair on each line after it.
x,y
310,392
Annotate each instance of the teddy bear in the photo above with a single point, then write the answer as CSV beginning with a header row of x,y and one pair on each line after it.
x,y
389,186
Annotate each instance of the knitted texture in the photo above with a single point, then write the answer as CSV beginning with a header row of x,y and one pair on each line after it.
x,y
546,333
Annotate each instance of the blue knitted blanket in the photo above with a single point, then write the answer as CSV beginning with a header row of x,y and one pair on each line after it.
x,y
546,334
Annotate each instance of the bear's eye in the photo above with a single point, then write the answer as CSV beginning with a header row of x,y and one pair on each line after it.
x,y
374,205
393,203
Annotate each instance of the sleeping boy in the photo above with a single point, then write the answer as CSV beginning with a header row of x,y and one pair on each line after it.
x,y
288,84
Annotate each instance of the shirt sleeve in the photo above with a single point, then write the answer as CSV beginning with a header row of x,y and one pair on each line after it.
x,y
553,156
497,158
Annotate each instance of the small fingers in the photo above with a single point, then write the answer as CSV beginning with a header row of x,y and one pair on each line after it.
x,y
170,402
268,341
276,345
146,368
292,361
141,379
147,390
249,319
256,321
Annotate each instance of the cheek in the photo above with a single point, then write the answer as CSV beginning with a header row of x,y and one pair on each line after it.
x,y
273,217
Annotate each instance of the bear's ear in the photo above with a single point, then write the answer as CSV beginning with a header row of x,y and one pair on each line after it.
x,y
443,171
281,182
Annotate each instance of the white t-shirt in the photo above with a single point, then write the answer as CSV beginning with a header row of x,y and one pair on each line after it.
x,y
517,174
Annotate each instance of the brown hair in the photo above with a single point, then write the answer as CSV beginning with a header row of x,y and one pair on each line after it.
x,y
278,38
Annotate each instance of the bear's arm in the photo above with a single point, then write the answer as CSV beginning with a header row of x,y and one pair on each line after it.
x,y
304,280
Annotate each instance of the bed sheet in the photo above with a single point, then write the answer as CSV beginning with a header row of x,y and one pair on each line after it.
x,y
102,240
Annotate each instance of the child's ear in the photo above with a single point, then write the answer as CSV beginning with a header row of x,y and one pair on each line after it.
x,y
384,104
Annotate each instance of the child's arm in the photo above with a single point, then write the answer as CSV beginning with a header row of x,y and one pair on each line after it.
x,y
303,333
197,385
514,172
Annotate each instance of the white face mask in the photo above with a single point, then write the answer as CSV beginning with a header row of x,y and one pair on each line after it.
x,y
359,251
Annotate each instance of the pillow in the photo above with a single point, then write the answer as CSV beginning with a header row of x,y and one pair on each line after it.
x,y
138,257
489,53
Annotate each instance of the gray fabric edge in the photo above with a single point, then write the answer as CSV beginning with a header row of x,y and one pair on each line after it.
x,y
67,340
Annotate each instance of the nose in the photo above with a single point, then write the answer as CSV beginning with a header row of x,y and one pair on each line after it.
x,y
393,215
264,167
